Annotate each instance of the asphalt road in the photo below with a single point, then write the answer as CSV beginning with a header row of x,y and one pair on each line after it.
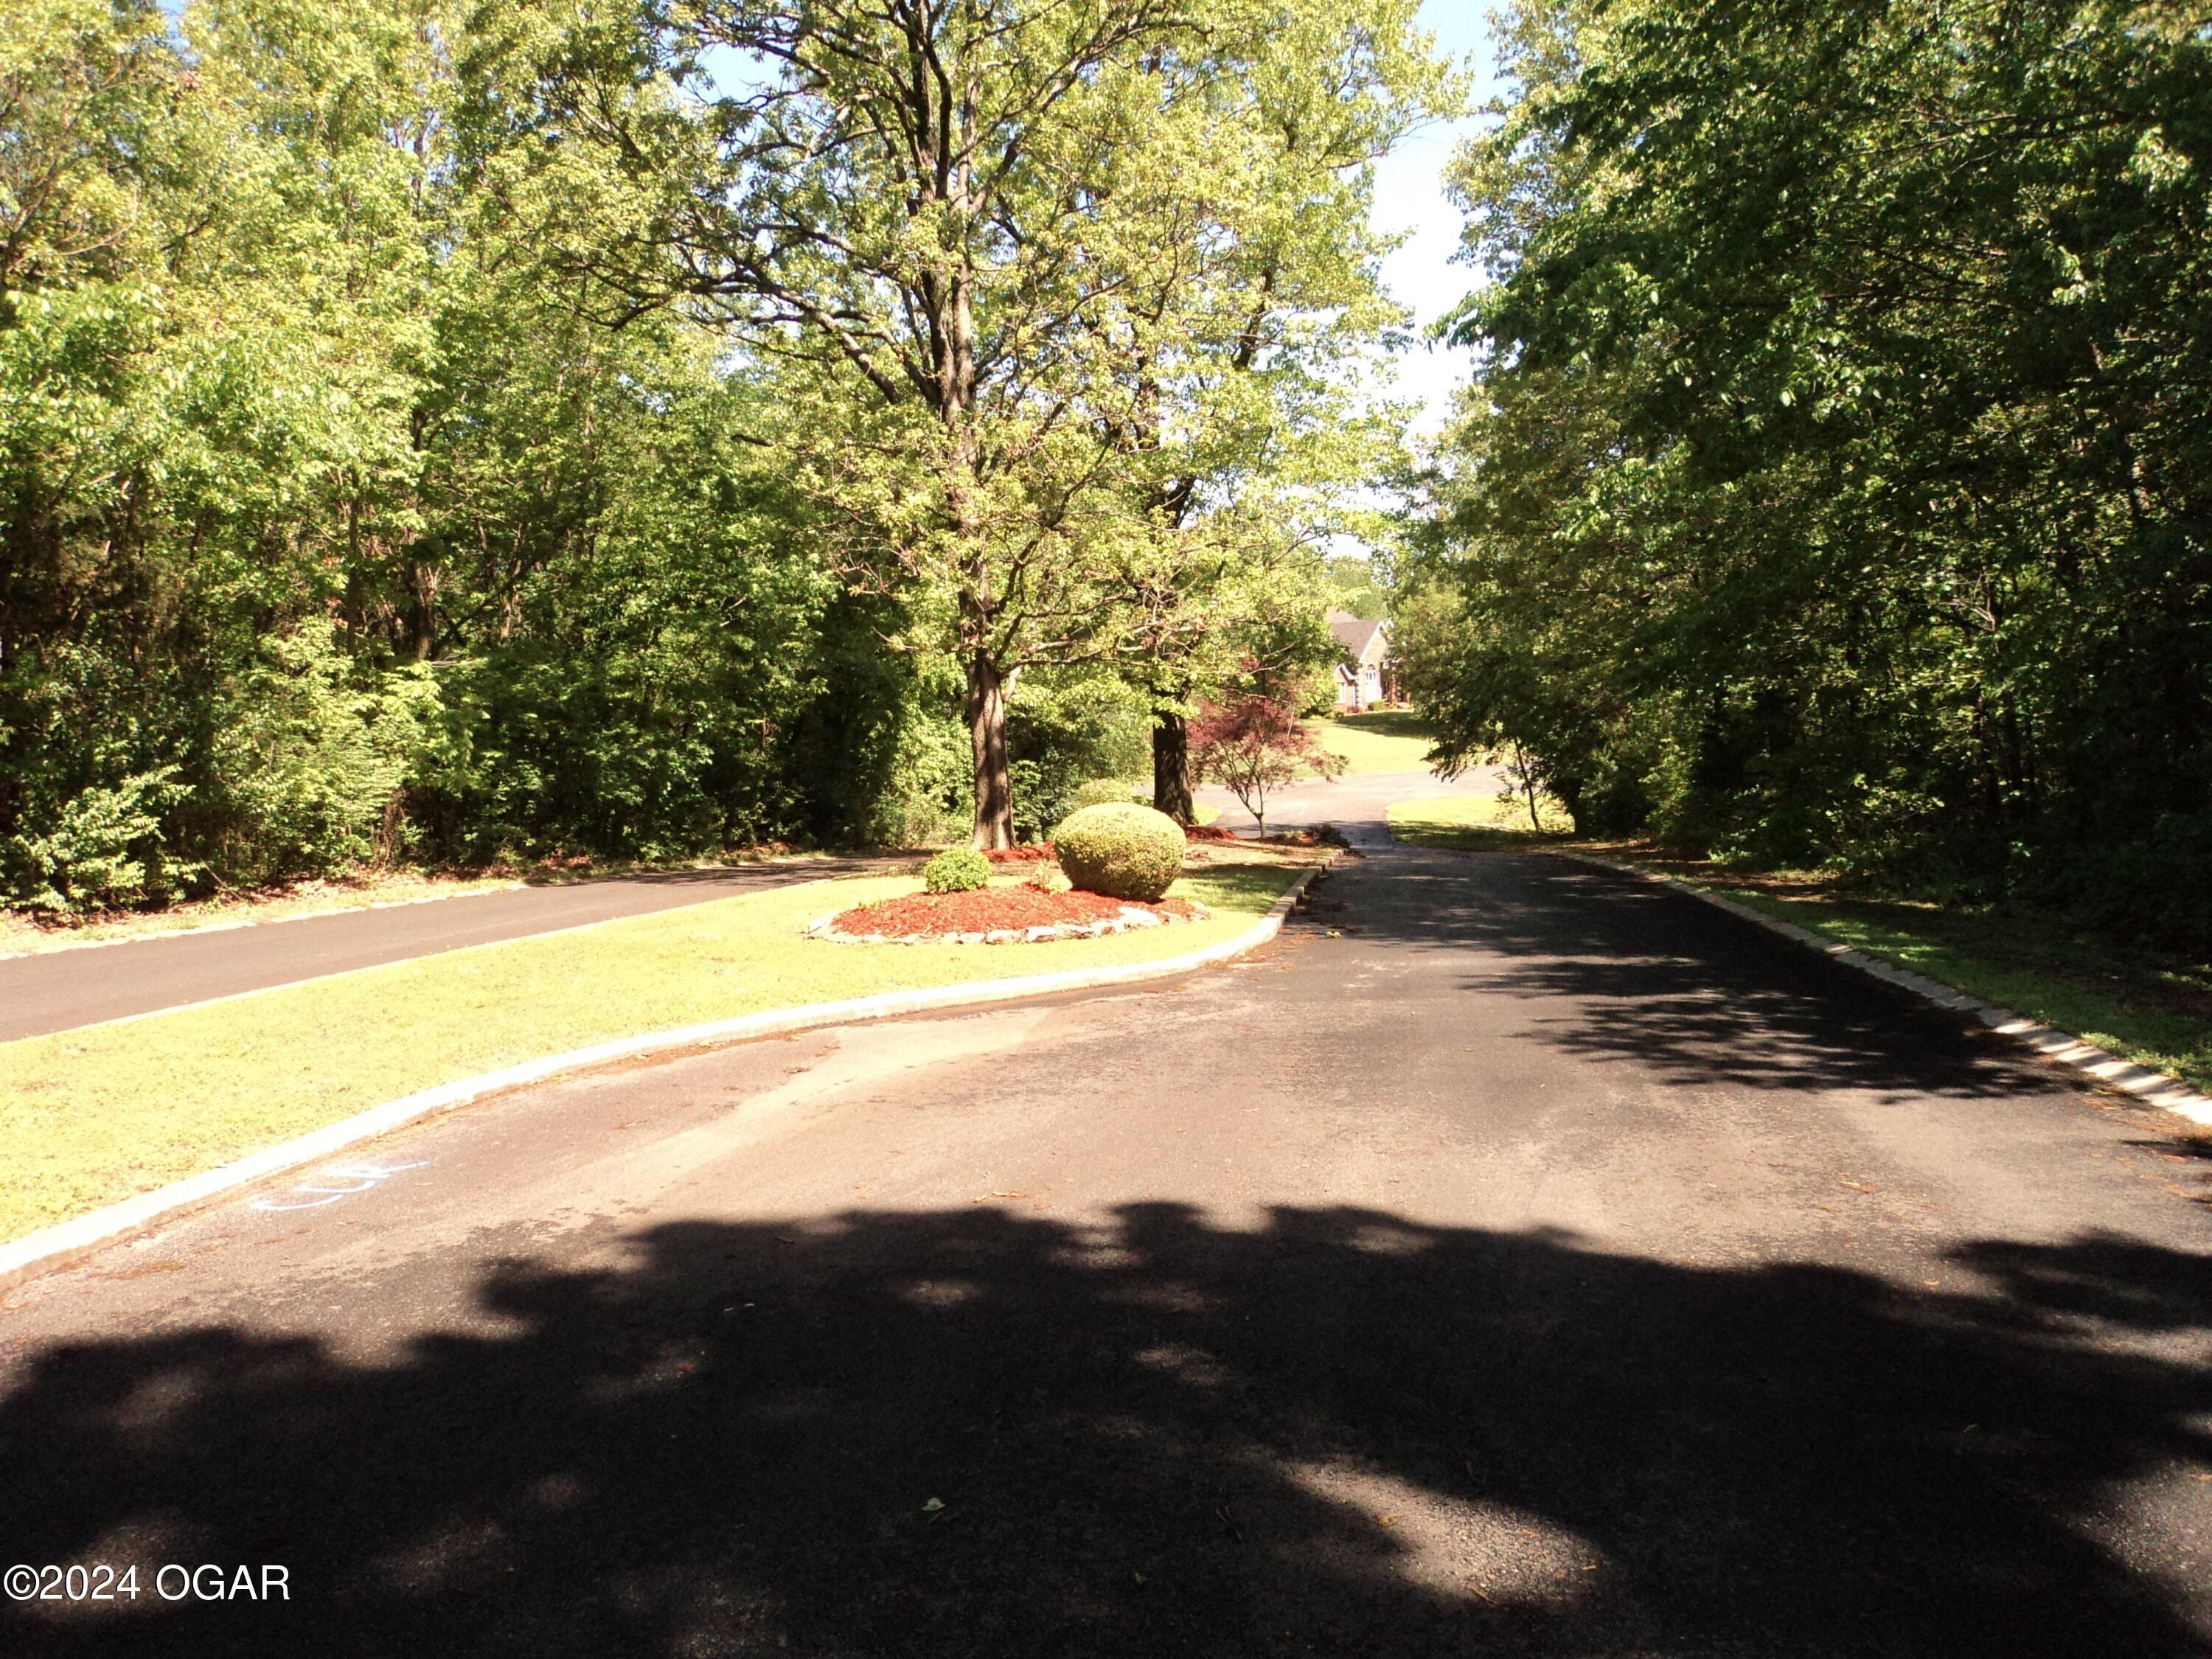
x,y
1513,1259
57,990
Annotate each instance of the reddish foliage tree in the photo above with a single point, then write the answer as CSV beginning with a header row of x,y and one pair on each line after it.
x,y
1253,743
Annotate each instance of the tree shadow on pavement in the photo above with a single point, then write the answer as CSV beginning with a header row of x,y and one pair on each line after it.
x,y
986,1433
1635,973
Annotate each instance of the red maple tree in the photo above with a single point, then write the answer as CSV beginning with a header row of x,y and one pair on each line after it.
x,y
1253,744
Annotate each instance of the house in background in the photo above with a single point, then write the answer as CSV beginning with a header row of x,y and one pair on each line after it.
x,y
1367,679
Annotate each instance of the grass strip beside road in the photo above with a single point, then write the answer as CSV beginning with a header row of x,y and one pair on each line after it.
x,y
94,1115
2151,1009
22,933
2155,1011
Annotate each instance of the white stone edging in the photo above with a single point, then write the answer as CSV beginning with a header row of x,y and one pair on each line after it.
x,y
2156,1088
67,1243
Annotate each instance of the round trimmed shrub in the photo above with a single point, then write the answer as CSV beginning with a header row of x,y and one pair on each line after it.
x,y
1102,792
1120,849
956,870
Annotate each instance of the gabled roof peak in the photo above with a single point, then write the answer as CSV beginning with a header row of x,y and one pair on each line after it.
x,y
1356,634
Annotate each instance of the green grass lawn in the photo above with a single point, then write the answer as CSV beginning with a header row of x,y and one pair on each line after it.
x,y
92,1116
2157,1014
1479,824
1391,741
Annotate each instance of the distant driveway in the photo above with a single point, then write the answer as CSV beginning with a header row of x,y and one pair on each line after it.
x,y
55,991
1359,805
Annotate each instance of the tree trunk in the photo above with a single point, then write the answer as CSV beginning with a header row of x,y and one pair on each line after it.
x,y
1171,766
1568,792
987,731
421,609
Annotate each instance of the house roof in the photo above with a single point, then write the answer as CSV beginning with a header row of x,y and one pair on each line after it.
x,y
1367,641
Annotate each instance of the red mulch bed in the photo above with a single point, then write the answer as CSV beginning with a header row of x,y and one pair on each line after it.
x,y
1206,832
1030,852
987,909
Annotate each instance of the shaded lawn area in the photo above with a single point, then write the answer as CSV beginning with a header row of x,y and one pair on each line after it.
x,y
1392,741
1140,791
2154,1009
93,1116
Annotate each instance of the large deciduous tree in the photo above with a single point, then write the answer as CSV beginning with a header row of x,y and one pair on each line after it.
x,y
1007,254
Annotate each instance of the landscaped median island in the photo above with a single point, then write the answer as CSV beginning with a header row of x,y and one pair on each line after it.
x,y
1004,913
94,1115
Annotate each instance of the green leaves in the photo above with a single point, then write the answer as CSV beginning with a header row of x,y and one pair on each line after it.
x,y
457,430
1836,485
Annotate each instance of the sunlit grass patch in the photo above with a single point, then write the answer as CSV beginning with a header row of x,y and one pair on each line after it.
x,y
1392,741
93,1116
1479,824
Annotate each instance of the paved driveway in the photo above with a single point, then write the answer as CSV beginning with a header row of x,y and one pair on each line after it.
x,y
54,991
1512,1260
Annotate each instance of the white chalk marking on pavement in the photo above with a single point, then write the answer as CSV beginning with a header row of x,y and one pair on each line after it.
x,y
368,1175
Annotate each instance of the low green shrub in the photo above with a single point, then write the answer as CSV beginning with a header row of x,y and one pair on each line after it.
x,y
102,850
956,870
1103,792
1120,849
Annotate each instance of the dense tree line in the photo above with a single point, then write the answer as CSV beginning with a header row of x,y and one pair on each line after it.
x,y
1836,487
440,430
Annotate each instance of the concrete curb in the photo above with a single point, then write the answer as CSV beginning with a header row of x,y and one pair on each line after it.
x,y
2100,1065
67,1243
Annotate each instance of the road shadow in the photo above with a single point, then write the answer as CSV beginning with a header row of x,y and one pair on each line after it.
x,y
989,1432
1631,972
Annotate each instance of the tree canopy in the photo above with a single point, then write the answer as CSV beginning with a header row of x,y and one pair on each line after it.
x,y
1834,488
444,431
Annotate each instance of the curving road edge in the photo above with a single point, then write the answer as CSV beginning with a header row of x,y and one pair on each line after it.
x,y
2101,1065
67,1243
